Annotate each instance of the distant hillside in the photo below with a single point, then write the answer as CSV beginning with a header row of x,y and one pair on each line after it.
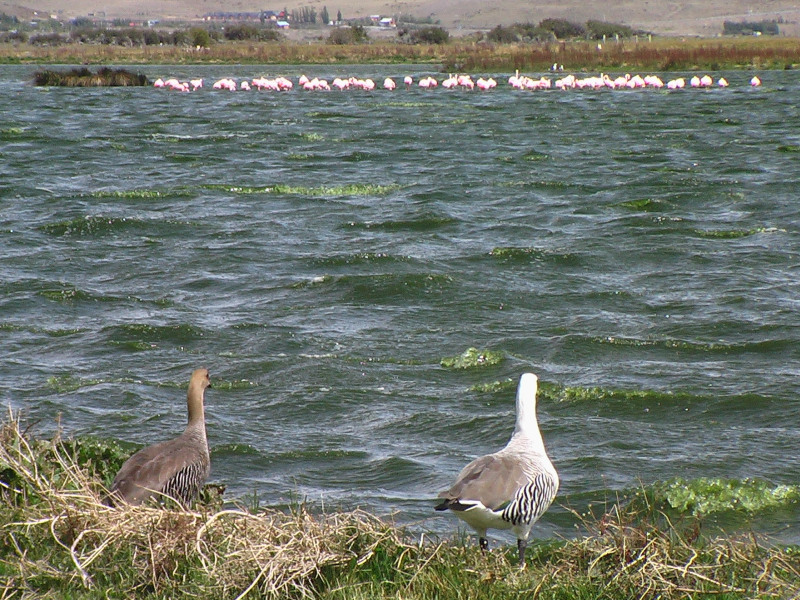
x,y
671,17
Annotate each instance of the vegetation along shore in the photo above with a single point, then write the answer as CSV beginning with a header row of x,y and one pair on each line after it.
x,y
60,541
593,46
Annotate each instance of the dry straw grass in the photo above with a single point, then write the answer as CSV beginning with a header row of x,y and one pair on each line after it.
x,y
231,552
654,558
58,540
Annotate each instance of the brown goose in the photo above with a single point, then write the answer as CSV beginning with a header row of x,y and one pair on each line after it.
x,y
177,468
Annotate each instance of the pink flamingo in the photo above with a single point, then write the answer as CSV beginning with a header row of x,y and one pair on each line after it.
x,y
722,82
158,83
755,81
196,84
389,84
408,80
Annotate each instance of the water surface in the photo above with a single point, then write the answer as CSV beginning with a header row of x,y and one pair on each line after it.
x,y
322,253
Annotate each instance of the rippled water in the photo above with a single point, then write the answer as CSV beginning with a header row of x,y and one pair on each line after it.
x,y
322,253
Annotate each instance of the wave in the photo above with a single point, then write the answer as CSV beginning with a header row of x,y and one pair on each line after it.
x,y
360,258
96,226
381,287
424,222
523,254
70,294
727,348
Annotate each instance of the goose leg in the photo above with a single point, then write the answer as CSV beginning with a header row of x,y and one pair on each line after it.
x,y
521,545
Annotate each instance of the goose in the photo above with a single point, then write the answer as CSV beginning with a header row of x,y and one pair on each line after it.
x,y
511,488
175,468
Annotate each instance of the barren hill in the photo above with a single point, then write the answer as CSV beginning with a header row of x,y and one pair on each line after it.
x,y
667,17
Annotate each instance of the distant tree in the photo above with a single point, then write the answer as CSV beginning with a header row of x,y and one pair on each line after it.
x,y
8,22
338,16
324,16
200,37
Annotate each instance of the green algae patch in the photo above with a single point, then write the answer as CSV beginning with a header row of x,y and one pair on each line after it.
x,y
705,496
139,194
473,358
494,387
353,189
534,156
65,294
642,204
69,383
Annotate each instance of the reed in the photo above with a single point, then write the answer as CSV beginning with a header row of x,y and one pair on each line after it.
x,y
462,55
60,541
83,77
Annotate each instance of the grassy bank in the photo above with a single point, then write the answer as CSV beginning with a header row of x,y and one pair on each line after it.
x,y
664,54
59,541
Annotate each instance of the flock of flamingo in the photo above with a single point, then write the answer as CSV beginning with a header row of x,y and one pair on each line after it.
x,y
517,81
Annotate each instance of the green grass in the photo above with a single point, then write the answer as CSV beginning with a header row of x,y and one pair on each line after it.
x,y
57,540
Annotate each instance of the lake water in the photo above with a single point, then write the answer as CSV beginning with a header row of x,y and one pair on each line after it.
x,y
323,253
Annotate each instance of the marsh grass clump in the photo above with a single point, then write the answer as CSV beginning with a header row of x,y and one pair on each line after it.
x,y
83,77
57,540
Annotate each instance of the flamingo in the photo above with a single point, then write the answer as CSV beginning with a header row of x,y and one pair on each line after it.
x,y
755,81
196,84
158,83
722,82
450,82
408,80
389,84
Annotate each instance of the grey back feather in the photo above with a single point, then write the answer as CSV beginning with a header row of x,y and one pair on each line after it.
x,y
177,468
492,480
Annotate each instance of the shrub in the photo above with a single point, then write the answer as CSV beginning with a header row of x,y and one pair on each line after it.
x,y
749,28
48,39
596,30
342,36
503,35
562,28
430,35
